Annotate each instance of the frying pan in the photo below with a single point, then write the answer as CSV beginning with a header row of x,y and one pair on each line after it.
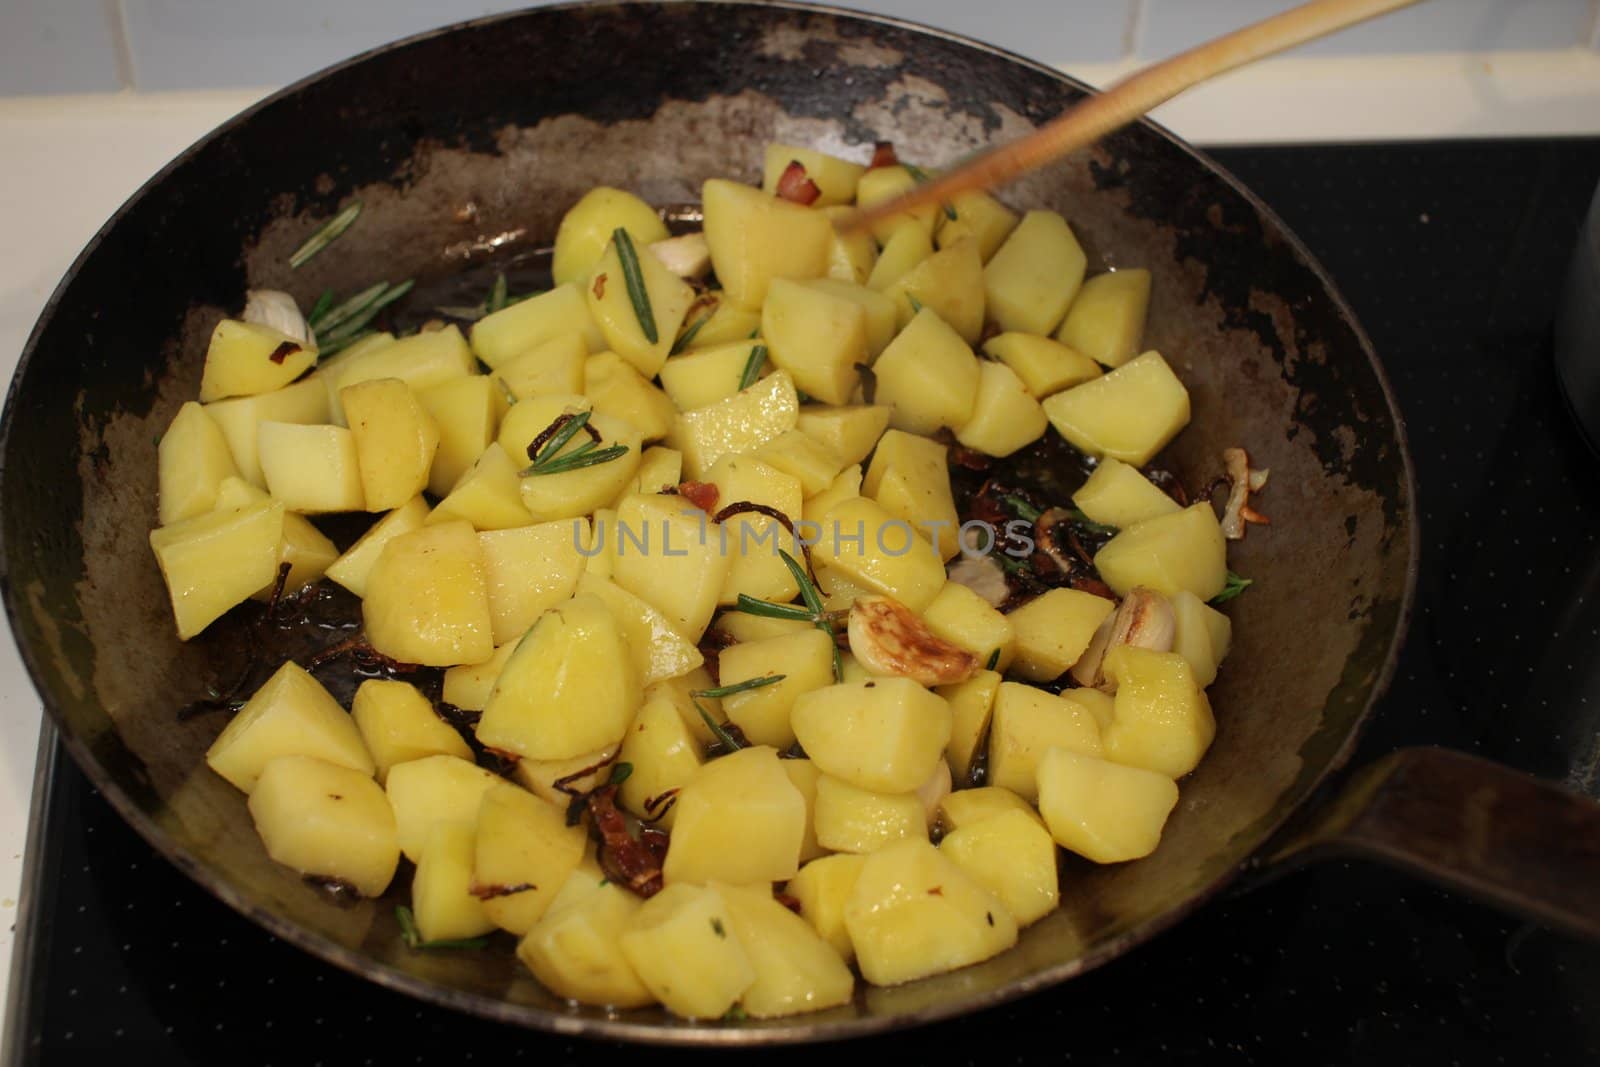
x,y
469,143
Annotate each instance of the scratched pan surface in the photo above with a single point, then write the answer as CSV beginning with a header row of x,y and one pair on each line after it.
x,y
516,117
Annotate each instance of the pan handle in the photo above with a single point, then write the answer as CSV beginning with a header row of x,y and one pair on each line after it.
x,y
1462,822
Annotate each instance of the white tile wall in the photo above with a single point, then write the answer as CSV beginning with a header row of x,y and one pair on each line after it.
x,y
58,46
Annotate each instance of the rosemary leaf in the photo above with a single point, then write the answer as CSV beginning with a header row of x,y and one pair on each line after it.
x,y
339,344
1025,511
994,660
362,317
633,275
728,740
1080,519
341,312
320,308
739,687
620,772
687,336
586,457
752,366
497,295
408,927
766,609
916,305
462,312
325,236
511,398
1233,587
559,439
808,590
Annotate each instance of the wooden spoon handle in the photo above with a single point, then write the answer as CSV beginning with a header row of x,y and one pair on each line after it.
x,y
1100,113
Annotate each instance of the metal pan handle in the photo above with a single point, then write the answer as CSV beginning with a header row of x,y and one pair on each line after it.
x,y
1520,843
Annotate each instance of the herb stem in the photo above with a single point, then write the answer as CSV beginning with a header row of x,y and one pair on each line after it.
x,y
728,741
739,687
325,236
752,366
633,276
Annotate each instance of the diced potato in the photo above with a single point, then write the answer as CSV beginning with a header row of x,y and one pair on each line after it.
x,y
1099,704
551,367
398,724
432,790
215,560
704,376
971,704
811,461
1118,495
796,970
755,480
886,183
906,247
247,358
968,621
290,715
1103,811
602,551
879,308
739,423
666,557
1014,858
928,376
852,819
818,337
980,217
740,819
523,853
426,599
845,486
677,691
569,494
529,570
823,888
1106,322
1162,720
506,334
967,807
351,569
739,627
621,392
304,402
660,468
441,897
1005,417
1030,282
578,775
571,686
529,419
755,238
879,552
805,662
658,651
886,735
489,495
1129,414
575,949
664,756
834,178
851,431
311,468
723,322
306,550
611,305
326,821
1201,635
1027,723
1169,553
851,256
1053,629
910,477
421,360
1045,366
913,912
586,230
805,775
950,284
682,945
193,459
469,685
464,411
395,440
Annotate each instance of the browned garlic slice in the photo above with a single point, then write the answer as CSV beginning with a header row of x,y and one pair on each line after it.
x,y
1245,481
891,641
1144,619
687,256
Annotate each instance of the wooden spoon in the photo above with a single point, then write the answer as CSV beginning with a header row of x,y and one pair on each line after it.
x,y
1100,113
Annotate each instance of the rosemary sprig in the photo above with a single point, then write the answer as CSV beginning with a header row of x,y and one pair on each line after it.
x,y
320,308
687,336
585,455
767,609
337,314
325,236
344,341
620,772
1080,519
462,311
413,937
813,599
752,366
633,276
1025,511
355,314
994,660
728,741
558,440
497,294
739,687
1235,585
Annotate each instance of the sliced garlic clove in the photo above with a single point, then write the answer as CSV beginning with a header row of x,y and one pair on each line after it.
x,y
277,309
890,640
983,576
687,256
1144,619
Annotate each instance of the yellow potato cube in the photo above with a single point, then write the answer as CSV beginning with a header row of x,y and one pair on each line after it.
x,y
682,946
658,651
1053,629
193,459
465,413
306,550
823,888
817,336
811,461
740,819
1169,553
1119,495
879,552
431,790
441,897
967,807
804,660
551,367
906,247
887,734
910,477
523,853
571,686
742,422
1103,811
1162,720
950,284
796,970
621,392
677,690
704,376
239,419
398,724
805,775
468,686
660,469
578,775
835,178
1032,279
611,306
215,560
1101,705
1012,856
666,557
913,912
664,756
426,599
529,419
1027,723
326,821
755,238
395,440
757,481
851,256
311,469
880,311
928,376
290,715
739,627
569,494
971,704
1005,417
1129,414
719,321
1106,322
421,360
529,570
575,949
247,358
586,230
846,485
352,569
980,217
1201,635
508,333
885,183
1045,366
851,819
851,431
968,621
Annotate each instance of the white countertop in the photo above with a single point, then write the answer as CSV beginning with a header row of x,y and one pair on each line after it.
x,y
71,161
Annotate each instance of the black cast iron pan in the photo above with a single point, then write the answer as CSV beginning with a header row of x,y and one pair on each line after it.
x,y
470,143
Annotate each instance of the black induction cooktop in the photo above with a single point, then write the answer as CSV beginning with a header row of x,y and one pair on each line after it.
x,y
1452,255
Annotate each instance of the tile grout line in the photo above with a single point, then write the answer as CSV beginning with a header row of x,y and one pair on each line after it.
x,y
117,19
